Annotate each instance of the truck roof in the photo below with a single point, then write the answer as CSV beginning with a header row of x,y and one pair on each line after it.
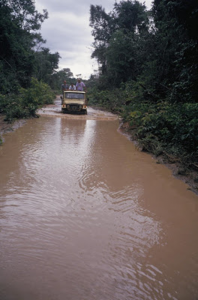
x,y
69,91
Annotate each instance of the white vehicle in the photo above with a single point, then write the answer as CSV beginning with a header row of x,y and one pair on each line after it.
x,y
74,101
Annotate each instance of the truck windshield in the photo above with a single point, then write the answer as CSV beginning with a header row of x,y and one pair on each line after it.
x,y
74,96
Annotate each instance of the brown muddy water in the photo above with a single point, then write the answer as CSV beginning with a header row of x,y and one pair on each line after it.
x,y
85,216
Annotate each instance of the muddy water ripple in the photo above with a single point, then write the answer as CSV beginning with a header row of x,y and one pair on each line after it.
x,y
85,216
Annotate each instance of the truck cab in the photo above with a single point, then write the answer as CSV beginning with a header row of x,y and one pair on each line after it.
x,y
74,102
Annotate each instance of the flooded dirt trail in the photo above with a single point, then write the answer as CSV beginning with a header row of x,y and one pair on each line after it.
x,y
85,216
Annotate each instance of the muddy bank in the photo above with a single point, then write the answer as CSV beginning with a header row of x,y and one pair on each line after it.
x,y
179,170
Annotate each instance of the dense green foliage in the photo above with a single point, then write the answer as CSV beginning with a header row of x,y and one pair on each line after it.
x,y
22,55
149,72
45,65
25,103
19,23
27,70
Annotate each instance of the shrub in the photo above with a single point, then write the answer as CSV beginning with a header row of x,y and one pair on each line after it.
x,y
172,127
25,102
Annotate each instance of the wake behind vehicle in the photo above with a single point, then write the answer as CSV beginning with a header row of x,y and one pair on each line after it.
x,y
74,102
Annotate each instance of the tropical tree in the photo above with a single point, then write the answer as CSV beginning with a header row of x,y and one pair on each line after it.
x,y
46,64
19,25
117,40
176,55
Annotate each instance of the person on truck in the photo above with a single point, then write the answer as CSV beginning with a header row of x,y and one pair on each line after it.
x,y
64,86
80,86
72,87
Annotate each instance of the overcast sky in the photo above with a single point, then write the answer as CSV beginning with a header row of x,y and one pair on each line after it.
x,y
67,31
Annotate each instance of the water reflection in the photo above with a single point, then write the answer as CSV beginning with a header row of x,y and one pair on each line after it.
x,y
84,215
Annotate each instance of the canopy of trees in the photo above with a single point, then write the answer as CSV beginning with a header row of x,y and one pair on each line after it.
x,y
20,54
27,68
158,47
148,71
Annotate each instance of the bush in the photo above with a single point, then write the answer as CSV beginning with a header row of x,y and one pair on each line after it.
x,y
162,125
158,125
25,102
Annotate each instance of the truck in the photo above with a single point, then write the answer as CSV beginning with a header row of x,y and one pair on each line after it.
x,y
74,102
